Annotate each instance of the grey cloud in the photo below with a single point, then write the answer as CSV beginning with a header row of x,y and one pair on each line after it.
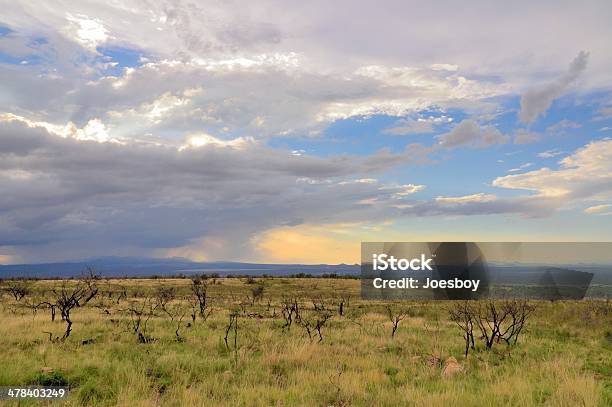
x,y
537,100
15,141
410,126
470,133
524,136
100,196
64,198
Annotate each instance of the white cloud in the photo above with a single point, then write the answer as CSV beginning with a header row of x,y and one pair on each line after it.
x,y
585,174
550,153
94,129
409,189
465,199
90,32
521,167
203,140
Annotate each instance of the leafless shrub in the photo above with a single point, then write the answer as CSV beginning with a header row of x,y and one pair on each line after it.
x,y
164,296
290,309
122,295
464,316
503,321
18,289
233,323
257,293
395,316
73,295
318,303
51,306
199,289
313,321
354,317
140,312
334,379
343,302
177,313
496,321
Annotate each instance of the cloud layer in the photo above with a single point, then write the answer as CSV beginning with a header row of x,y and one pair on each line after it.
x,y
208,129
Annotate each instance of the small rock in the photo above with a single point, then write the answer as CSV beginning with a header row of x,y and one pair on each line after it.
x,y
451,366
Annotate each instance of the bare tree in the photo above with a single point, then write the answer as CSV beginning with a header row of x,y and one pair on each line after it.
x,y
73,295
199,289
313,321
122,293
177,314
518,311
463,315
18,289
395,317
233,323
51,306
290,309
165,295
342,302
140,312
496,321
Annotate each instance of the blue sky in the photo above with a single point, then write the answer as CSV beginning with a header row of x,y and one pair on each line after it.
x,y
271,135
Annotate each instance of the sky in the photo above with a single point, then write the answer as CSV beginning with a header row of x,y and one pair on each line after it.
x,y
289,132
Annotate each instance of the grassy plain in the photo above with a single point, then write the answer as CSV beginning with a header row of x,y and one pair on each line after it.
x,y
563,357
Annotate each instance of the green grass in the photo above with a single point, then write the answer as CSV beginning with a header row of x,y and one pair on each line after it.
x,y
563,358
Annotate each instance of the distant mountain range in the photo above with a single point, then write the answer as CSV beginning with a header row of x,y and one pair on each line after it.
x,y
145,267
166,267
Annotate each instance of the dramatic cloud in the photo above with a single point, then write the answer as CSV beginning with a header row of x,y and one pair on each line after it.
x,y
537,100
218,130
64,193
264,95
67,197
